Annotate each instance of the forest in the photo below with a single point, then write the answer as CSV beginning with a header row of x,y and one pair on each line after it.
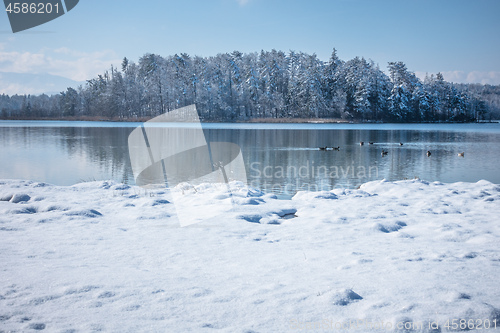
x,y
232,87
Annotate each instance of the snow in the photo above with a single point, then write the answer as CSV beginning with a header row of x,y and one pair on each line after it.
x,y
103,256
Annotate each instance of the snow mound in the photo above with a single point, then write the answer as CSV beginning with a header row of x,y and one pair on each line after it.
x,y
84,213
346,297
306,196
20,197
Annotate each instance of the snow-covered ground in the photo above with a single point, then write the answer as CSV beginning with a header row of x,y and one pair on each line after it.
x,y
103,256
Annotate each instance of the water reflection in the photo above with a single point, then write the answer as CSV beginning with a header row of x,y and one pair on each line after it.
x,y
290,160
278,160
65,155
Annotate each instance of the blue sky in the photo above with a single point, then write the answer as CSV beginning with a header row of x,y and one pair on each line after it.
x,y
457,37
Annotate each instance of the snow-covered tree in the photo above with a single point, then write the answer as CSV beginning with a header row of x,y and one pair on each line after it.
x,y
235,86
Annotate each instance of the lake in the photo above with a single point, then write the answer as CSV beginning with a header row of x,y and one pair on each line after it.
x,y
279,158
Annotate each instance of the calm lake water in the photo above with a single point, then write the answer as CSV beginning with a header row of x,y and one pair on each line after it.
x,y
279,158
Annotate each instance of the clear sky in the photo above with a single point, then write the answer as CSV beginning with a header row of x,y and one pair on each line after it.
x,y
460,38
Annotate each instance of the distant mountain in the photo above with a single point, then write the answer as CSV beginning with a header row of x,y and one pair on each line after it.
x,y
34,84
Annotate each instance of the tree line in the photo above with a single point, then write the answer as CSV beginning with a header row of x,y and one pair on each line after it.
x,y
270,84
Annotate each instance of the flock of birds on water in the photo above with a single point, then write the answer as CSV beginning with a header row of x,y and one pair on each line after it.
x,y
384,152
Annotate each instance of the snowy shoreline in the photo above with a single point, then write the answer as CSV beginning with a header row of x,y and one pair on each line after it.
x,y
112,257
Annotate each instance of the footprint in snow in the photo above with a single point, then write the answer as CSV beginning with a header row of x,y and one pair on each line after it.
x,y
5,317
251,201
84,213
160,202
251,218
81,290
390,227
107,294
44,299
470,255
25,210
133,307
463,296
37,326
